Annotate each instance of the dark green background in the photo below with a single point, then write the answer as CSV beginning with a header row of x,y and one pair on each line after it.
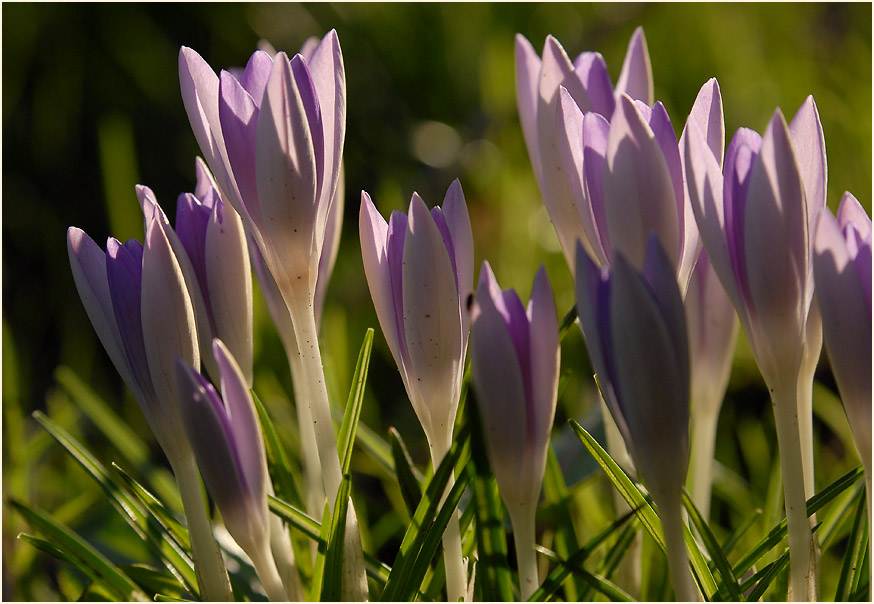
x,y
91,107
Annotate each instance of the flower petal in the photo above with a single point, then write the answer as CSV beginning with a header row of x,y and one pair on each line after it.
x,y
808,142
239,123
707,114
635,79
851,212
331,244
255,77
545,356
527,87
591,70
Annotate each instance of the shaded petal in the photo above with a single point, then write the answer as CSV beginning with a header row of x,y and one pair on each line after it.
x,y
545,356
808,141
591,70
255,77
707,114
239,122
527,91
635,79
432,321
851,212
205,182
596,130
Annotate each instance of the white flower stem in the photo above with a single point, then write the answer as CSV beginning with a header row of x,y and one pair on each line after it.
x,y
700,480
522,520
802,556
312,467
212,577
805,428
453,562
671,515
265,567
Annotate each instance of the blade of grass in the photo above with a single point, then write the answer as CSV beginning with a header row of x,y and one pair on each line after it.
x,y
556,495
321,554
332,577
153,581
839,515
855,550
735,538
410,483
346,437
720,562
567,322
278,465
63,538
770,573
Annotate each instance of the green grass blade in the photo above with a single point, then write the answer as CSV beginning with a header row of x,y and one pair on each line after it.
x,y
321,554
558,500
863,578
153,581
278,465
778,533
735,538
615,554
63,538
592,580
332,577
421,521
714,550
56,552
163,598
159,512
346,438
839,516
854,553
116,430
647,515
768,575
410,483
567,322
369,441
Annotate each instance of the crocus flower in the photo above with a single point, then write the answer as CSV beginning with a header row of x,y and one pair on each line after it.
x,y
514,362
226,438
210,246
755,225
136,298
419,269
586,80
842,267
635,331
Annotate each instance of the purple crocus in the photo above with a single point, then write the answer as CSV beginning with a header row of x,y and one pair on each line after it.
x,y
274,138
538,84
226,438
755,225
210,246
842,267
515,356
419,269
635,331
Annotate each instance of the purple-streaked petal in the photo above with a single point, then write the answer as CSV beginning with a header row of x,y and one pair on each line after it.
x,y
205,182
545,354
635,79
394,246
458,221
254,79
591,70
192,219
432,322
239,122
329,78
440,221
286,175
707,114
596,130
851,212
229,282
527,87
310,99
808,142
639,193
743,150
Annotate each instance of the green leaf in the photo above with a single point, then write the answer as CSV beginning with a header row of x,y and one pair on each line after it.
x,y
740,532
370,442
64,539
158,511
422,519
767,576
410,483
714,550
55,552
278,465
321,554
558,499
346,438
854,553
116,430
647,515
615,554
567,322
332,578
153,581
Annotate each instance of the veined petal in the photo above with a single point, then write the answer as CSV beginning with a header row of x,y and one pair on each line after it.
x,y
238,115
88,264
635,79
230,284
432,320
638,190
527,91
545,355
286,175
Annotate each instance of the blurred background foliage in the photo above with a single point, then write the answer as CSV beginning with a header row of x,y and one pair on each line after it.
x,y
91,107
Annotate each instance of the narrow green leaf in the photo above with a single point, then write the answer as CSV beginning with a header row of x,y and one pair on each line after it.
x,y
56,552
116,430
321,552
567,322
159,512
839,516
422,519
647,515
410,483
370,442
862,578
332,577
855,551
163,598
713,549
278,465
735,538
68,541
778,533
557,497
770,573
346,439
615,554
153,581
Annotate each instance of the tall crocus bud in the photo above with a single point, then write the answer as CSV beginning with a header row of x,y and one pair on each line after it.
x,y
635,330
842,267
226,438
419,268
514,361
586,80
755,225
210,246
136,298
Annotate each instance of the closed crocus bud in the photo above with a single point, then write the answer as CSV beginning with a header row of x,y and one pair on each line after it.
x,y
419,269
210,246
226,438
635,330
514,362
842,267
538,83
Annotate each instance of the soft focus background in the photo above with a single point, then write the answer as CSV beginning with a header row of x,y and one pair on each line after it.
x,y
91,107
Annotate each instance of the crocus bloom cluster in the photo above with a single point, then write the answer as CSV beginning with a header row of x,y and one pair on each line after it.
x,y
538,84
635,331
226,438
514,363
210,246
842,267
